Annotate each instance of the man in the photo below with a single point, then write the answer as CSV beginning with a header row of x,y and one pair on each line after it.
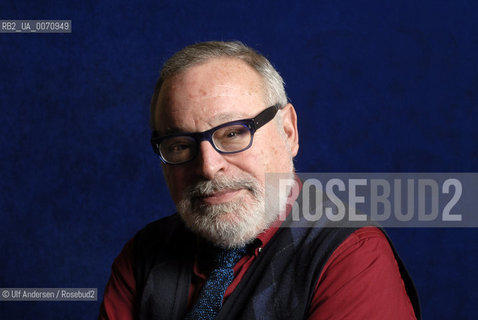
x,y
221,121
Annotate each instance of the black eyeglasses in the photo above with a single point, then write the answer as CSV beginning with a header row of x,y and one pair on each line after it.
x,y
230,137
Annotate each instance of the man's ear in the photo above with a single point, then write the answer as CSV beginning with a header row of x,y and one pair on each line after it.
x,y
289,123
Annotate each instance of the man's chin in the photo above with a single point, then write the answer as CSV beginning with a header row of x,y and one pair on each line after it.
x,y
225,229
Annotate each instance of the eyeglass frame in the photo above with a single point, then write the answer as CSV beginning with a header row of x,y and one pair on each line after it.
x,y
252,124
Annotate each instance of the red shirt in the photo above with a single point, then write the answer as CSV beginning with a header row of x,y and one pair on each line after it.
x,y
360,280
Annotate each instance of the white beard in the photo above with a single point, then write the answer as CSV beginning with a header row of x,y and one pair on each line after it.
x,y
231,224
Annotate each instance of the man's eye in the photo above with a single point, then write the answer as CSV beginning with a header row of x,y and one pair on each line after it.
x,y
178,147
235,133
232,134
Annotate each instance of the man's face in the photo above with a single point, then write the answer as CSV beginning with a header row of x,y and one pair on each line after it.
x,y
207,95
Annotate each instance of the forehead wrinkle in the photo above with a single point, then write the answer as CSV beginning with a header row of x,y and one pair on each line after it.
x,y
219,91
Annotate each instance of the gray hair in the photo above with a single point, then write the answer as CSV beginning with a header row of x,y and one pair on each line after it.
x,y
201,52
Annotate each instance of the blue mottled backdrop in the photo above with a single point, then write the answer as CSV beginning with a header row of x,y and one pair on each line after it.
x,y
379,86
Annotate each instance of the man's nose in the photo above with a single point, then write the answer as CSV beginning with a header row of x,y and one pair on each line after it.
x,y
209,161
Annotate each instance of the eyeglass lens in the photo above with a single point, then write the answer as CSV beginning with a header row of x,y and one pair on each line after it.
x,y
233,138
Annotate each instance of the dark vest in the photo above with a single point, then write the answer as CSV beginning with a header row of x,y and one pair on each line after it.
x,y
279,284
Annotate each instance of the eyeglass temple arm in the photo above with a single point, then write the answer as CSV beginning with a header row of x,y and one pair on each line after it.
x,y
266,115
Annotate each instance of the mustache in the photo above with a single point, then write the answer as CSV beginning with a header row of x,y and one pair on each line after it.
x,y
208,187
